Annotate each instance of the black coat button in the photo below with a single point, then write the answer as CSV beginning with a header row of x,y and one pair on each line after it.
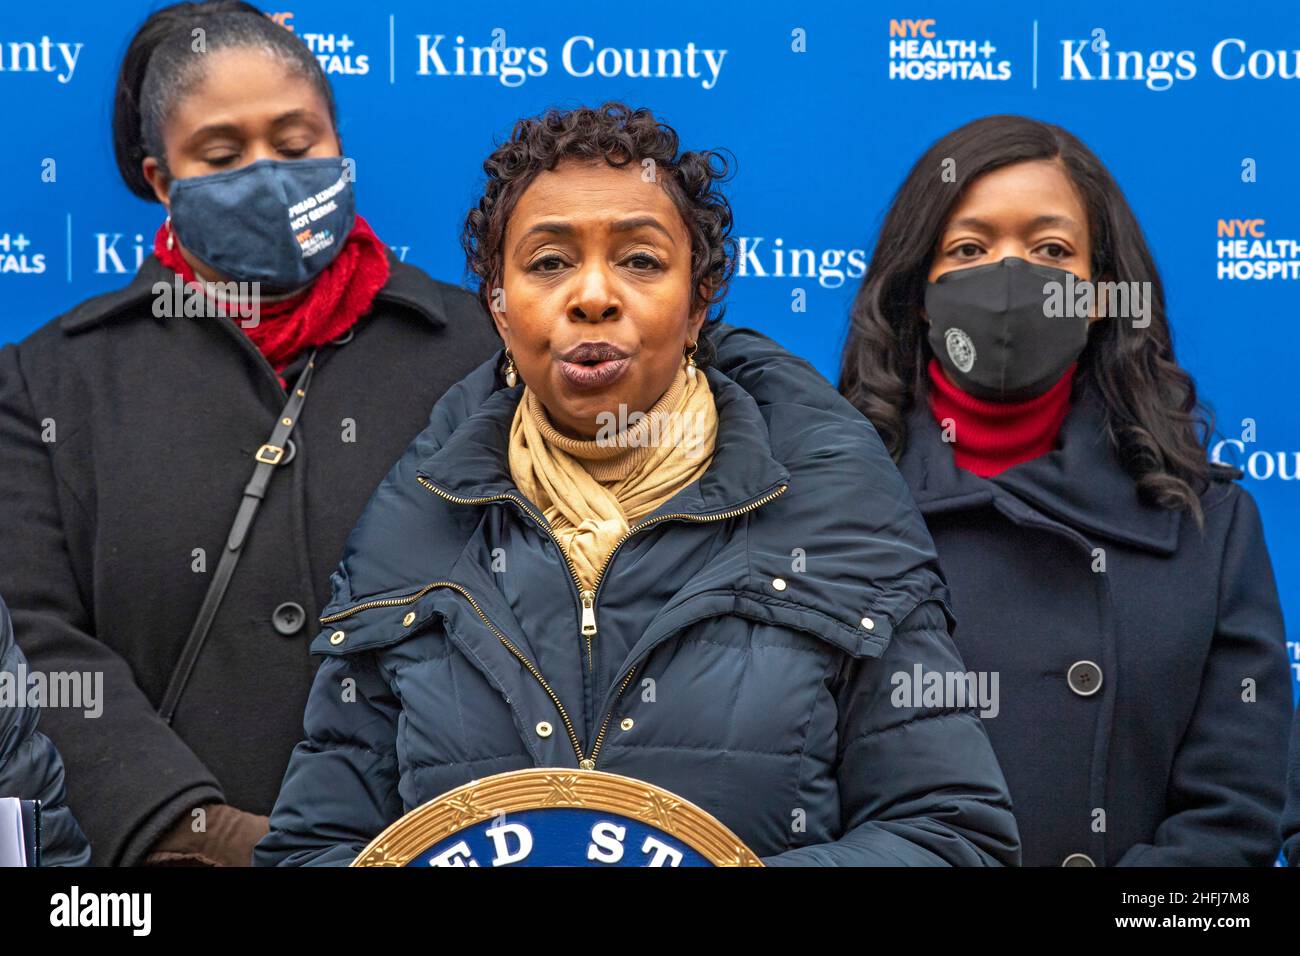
x,y
1084,678
288,618
1078,859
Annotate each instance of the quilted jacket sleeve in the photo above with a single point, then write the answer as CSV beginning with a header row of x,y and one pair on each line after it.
x,y
919,785
340,789
30,767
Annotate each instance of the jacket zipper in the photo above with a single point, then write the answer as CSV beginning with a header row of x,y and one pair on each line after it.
x,y
588,597
600,576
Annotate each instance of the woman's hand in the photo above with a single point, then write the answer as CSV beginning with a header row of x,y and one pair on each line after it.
x,y
227,839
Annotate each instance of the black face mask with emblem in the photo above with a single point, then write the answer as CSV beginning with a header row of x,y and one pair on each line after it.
x,y
990,329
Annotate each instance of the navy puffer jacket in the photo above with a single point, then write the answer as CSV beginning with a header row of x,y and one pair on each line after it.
x,y
748,634
30,766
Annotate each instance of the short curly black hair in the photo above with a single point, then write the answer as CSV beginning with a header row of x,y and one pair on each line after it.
x,y
620,136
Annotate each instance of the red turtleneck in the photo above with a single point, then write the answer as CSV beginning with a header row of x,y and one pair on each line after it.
x,y
990,437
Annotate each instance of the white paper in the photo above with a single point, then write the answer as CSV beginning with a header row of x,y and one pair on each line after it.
x,y
13,848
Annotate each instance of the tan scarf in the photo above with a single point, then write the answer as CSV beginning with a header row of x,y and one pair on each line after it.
x,y
592,491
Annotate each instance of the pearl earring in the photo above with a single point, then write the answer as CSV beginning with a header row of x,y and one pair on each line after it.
x,y
512,376
690,361
170,237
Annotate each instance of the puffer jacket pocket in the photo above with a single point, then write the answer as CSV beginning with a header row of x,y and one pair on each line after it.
x,y
874,630
377,621
461,712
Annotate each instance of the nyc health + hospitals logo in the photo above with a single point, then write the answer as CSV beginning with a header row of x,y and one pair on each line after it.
x,y
1246,251
919,49
337,53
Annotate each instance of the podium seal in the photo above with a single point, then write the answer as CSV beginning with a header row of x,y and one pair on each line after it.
x,y
557,817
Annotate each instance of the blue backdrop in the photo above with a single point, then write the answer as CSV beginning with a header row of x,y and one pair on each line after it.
x,y
1193,105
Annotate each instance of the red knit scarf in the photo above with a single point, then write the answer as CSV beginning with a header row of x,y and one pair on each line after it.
x,y
326,309
990,437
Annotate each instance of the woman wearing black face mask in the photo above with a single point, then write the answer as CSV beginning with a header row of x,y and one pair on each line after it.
x,y
1115,582
165,442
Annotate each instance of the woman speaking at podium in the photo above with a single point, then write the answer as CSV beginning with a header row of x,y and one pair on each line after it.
x,y
172,494
601,554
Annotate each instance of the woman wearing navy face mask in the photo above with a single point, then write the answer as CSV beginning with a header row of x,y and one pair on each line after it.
x,y
178,473
1114,580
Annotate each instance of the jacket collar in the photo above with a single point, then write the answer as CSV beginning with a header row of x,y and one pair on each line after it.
x,y
473,462
119,302
1080,483
406,286
414,289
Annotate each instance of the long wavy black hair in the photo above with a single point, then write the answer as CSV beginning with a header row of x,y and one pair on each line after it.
x,y
1158,427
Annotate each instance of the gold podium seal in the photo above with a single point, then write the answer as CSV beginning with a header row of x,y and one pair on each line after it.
x,y
557,817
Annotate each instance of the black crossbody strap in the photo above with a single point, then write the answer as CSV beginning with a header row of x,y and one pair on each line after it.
x,y
267,458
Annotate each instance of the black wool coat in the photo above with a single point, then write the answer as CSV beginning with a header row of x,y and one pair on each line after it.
x,y
1144,696
1291,815
1146,706
125,443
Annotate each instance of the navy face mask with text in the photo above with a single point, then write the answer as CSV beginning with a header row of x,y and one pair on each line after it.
x,y
990,329
276,222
